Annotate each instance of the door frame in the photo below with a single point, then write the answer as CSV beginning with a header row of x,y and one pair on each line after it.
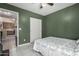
x,y
17,22
30,27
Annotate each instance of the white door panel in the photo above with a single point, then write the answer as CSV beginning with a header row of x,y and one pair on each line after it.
x,y
35,29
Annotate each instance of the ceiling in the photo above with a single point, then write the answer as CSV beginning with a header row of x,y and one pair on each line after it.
x,y
35,7
7,13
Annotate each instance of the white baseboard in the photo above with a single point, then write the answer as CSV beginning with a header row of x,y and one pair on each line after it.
x,y
24,44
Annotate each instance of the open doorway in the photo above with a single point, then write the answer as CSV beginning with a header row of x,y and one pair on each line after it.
x,y
8,30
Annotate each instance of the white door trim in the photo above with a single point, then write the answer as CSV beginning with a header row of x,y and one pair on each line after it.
x,y
16,22
17,29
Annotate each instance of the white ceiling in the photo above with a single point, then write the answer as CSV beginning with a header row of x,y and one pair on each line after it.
x,y
35,7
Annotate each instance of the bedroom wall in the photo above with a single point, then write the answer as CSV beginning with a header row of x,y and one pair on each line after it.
x,y
63,23
24,21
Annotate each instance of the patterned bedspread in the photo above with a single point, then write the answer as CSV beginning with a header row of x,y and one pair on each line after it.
x,y
53,46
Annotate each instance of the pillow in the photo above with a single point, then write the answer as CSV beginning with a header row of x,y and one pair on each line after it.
x,y
77,42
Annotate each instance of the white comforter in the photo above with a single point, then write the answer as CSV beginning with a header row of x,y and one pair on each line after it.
x,y
52,46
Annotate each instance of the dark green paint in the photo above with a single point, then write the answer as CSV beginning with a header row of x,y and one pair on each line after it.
x,y
24,21
63,23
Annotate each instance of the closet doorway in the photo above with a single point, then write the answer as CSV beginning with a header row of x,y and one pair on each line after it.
x,y
9,33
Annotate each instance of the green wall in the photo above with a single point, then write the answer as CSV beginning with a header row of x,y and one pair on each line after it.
x,y
24,21
63,23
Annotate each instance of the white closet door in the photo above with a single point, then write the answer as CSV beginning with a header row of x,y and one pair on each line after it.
x,y
35,29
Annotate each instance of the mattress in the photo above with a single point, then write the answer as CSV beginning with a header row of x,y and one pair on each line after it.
x,y
53,46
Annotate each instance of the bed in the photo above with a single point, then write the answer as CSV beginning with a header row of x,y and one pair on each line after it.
x,y
53,46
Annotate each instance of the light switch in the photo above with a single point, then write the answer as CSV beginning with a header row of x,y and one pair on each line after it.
x,y
24,39
20,29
